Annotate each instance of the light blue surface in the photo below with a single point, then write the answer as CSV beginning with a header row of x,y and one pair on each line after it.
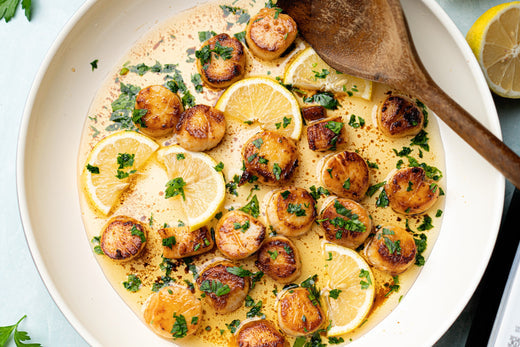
x,y
23,48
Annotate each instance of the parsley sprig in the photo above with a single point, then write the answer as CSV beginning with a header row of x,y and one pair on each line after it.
x,y
19,335
8,10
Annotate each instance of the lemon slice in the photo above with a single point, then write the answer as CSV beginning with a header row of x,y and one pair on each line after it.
x,y
263,100
495,40
348,272
309,71
203,188
117,158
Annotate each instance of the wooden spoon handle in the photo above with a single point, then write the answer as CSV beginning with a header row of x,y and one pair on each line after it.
x,y
472,131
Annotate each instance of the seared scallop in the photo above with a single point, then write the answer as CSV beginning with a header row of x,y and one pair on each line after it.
x,y
291,211
346,175
238,235
392,249
181,242
398,116
223,290
279,259
270,157
345,222
298,315
123,238
258,333
314,113
410,192
163,110
326,134
173,312
221,61
270,33
201,128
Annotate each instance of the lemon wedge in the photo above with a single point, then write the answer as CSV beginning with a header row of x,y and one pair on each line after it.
x,y
495,40
111,164
195,181
309,71
350,288
263,100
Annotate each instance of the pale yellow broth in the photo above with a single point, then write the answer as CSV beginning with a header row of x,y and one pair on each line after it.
x,y
168,43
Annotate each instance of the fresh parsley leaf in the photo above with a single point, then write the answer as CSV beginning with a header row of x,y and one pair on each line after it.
x,y
325,99
179,328
296,209
93,169
169,242
206,53
257,276
314,291
137,232
238,271
365,274
8,9
277,171
252,207
382,200
323,74
214,286
335,340
334,293
426,223
93,64
421,244
233,325
334,126
196,79
123,107
273,254
352,122
394,287
175,187
206,35
241,36
316,193
19,335
421,140
394,247
256,310
219,167
133,283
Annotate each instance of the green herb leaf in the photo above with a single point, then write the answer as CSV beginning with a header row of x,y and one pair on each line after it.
x,y
93,64
296,209
137,232
92,169
214,286
365,274
238,271
325,99
219,167
206,35
179,328
169,242
334,293
175,187
382,200
277,171
252,207
133,283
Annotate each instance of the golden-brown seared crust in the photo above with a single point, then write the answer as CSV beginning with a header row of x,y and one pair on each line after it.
x,y
270,33
291,211
123,238
297,315
398,116
239,286
270,157
163,108
219,72
238,235
258,333
346,175
348,228
314,113
161,307
180,242
392,249
279,258
200,128
410,192
326,134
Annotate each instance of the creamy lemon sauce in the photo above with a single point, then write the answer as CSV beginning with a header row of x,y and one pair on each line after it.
x,y
174,42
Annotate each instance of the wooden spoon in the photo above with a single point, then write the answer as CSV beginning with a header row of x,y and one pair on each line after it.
x,y
370,39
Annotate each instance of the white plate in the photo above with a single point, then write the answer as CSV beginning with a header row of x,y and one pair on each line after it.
x,y
48,194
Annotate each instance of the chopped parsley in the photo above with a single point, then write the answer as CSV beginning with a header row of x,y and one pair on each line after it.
x,y
243,15
373,189
93,169
403,152
394,287
214,286
93,64
394,247
169,242
219,167
137,232
285,194
316,193
366,275
273,254
206,35
323,74
133,283
175,187
123,107
382,200
346,184
196,79
232,186
242,227
277,171
421,140
421,244
205,53
439,213
334,126
296,209
179,328
97,248
325,99
252,207
335,340
176,84
241,36
256,309
426,223
372,165
334,293
314,291
233,325
257,276
238,271
352,122
258,143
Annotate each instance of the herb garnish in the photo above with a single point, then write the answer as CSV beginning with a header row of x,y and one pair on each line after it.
x,y
175,187
325,99
316,193
314,292
137,232
365,274
93,64
205,53
133,283
169,242
214,286
252,207
7,12
296,209
179,328
334,293
92,169
19,335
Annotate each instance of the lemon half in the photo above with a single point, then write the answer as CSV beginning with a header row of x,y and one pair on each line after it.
x,y
495,40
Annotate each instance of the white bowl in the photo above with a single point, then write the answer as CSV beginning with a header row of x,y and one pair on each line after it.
x,y
48,194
